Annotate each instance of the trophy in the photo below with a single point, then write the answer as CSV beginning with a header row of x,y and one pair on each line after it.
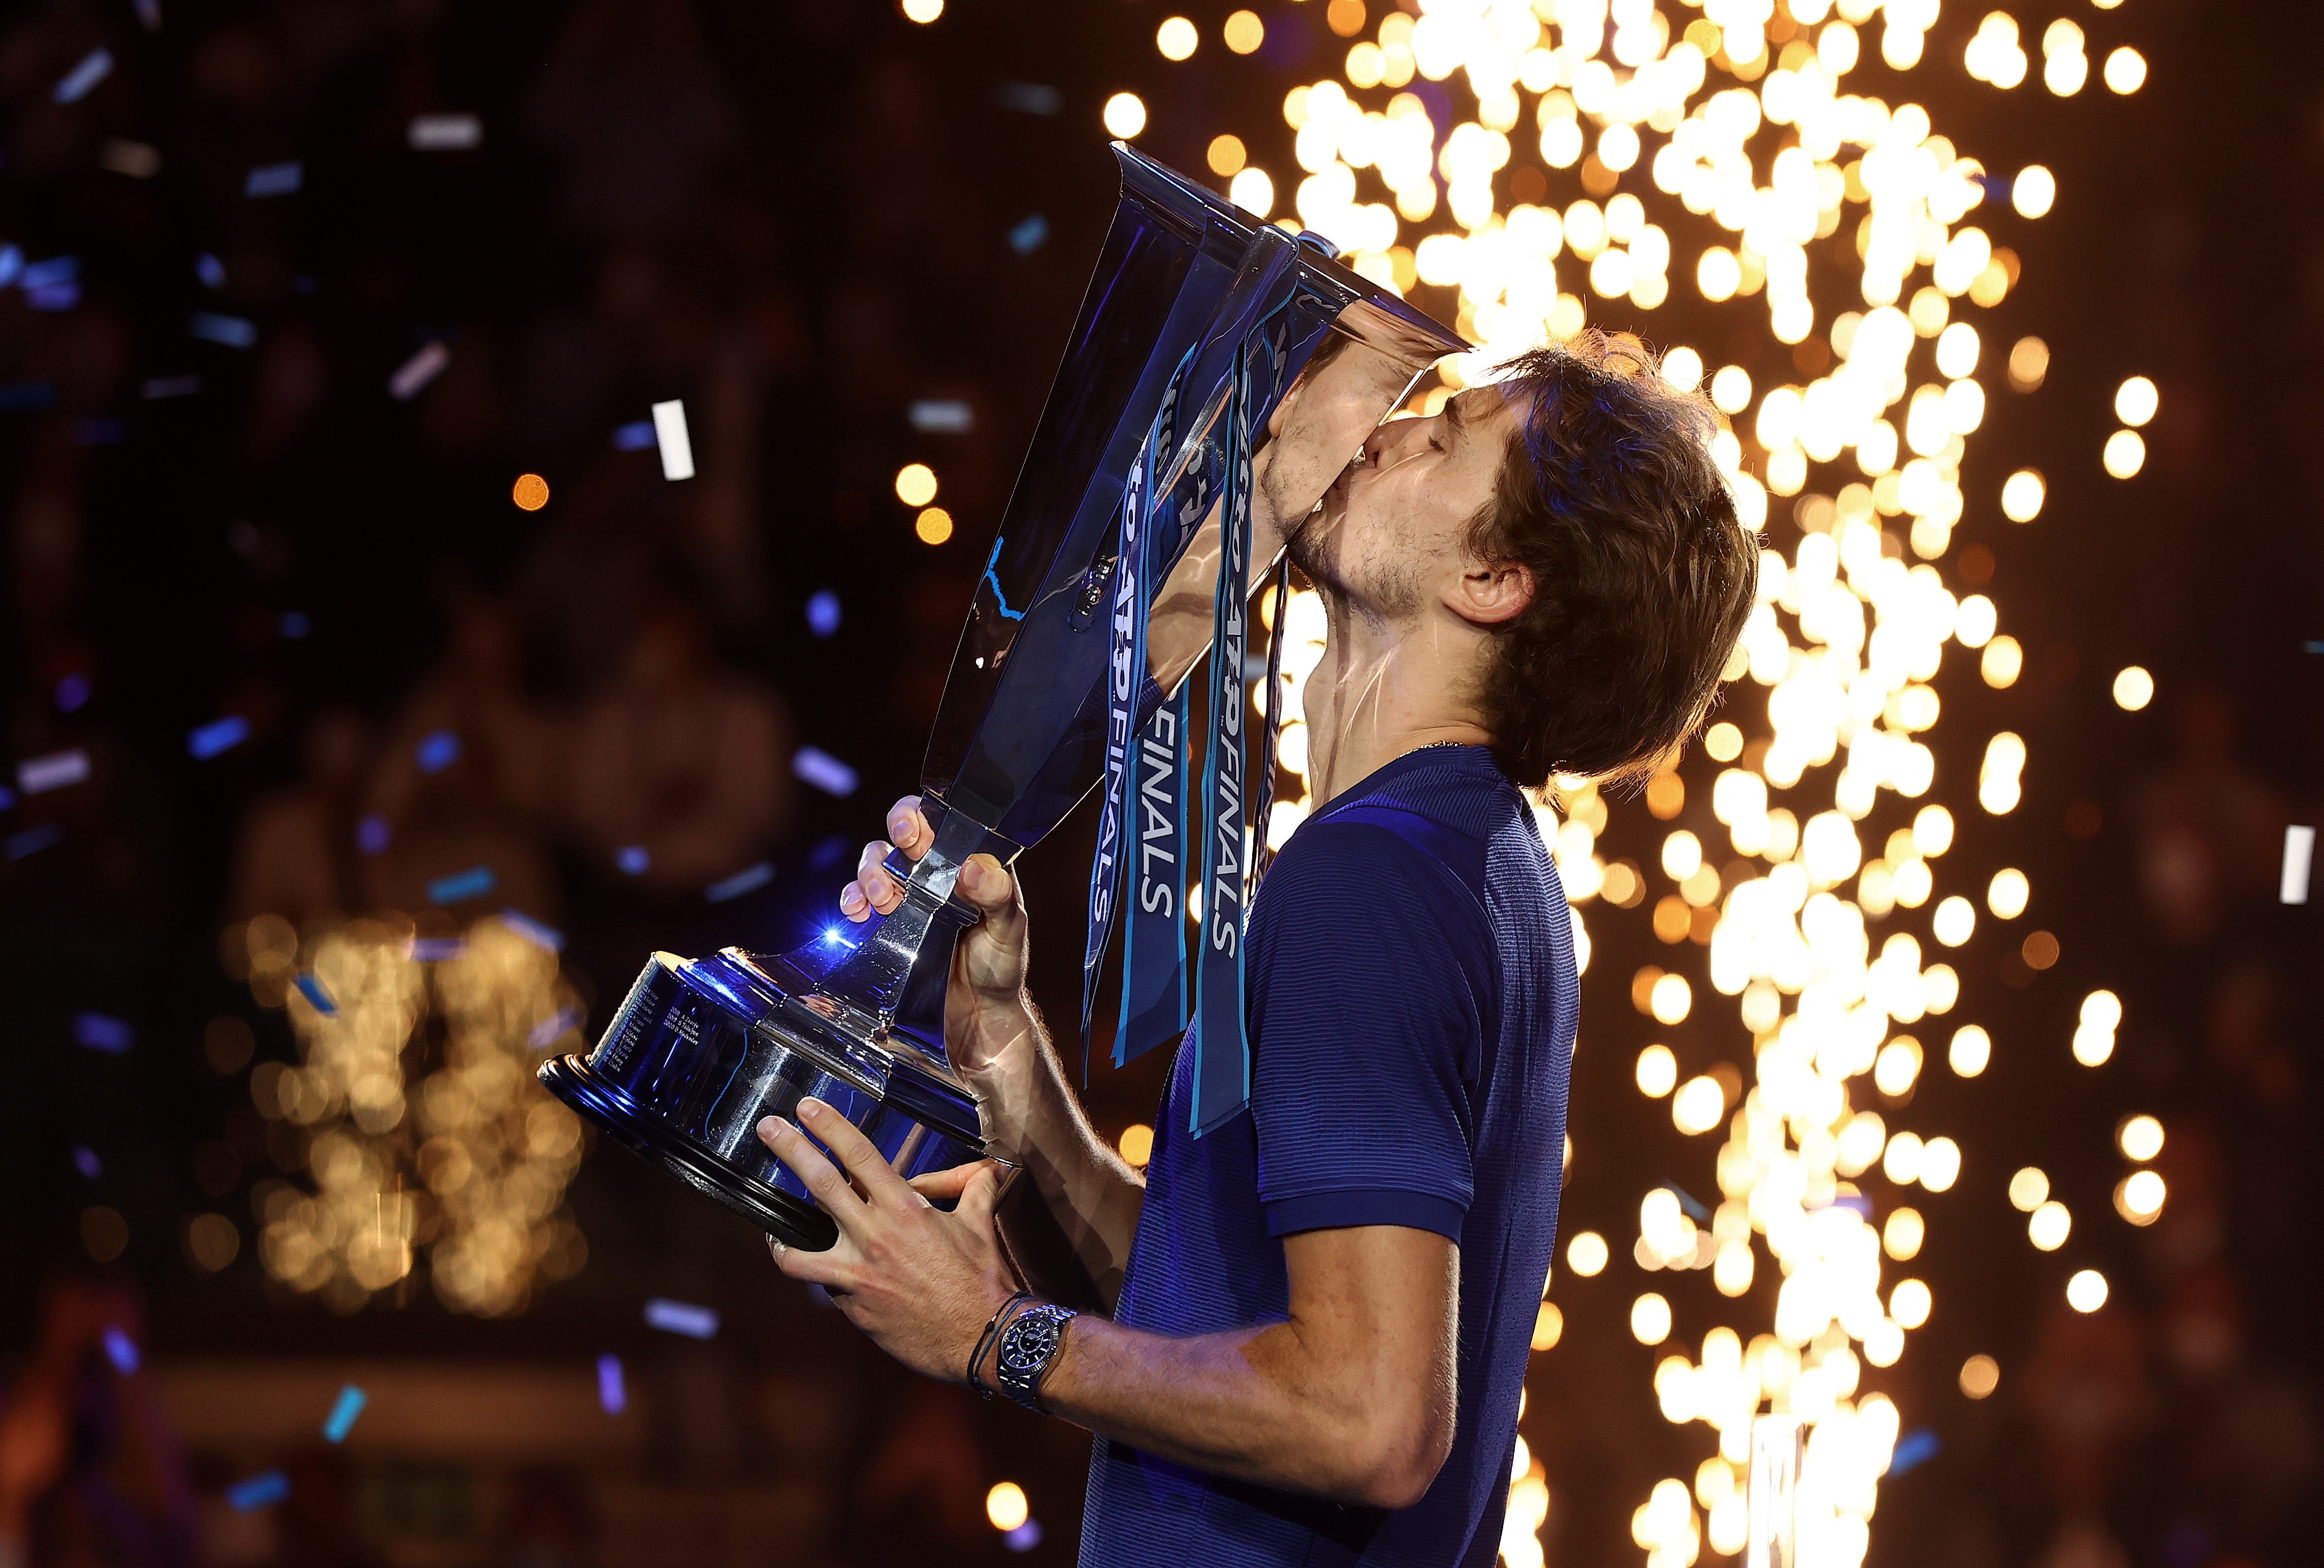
x,y
1217,363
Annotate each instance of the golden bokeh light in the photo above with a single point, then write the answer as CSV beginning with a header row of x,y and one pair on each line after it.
x,y
2086,1290
1971,1052
2029,1188
2124,454
1226,155
1253,192
2138,1197
1177,39
916,485
2008,893
1658,1072
2126,72
923,10
932,525
2034,191
1125,116
2134,689
530,492
1980,1375
1548,1326
2048,1225
1587,1253
1005,1506
2022,495
1650,1319
2139,1137
1137,1144
1244,32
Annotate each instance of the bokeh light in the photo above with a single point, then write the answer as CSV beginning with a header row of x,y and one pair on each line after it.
x,y
2134,689
1125,116
530,492
1177,39
916,485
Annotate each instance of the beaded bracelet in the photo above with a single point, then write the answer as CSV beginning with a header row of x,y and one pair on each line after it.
x,y
984,1341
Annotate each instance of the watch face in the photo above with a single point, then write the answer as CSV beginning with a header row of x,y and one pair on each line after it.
x,y
1030,1341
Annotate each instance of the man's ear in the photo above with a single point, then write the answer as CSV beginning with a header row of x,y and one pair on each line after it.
x,y
1491,596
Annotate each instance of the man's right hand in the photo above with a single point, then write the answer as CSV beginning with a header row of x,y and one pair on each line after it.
x,y
985,1007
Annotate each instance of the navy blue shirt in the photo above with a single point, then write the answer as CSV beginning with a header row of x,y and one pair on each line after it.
x,y
1411,1001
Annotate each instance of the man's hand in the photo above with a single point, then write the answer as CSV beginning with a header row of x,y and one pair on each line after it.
x,y
921,1282
985,1009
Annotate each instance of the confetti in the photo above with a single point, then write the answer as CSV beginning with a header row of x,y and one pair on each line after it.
x,y
634,859
741,882
72,692
533,931
210,271
12,263
681,1317
85,1161
1913,1450
33,840
261,1491
553,1029
825,771
611,1392
1029,236
1030,97
438,751
942,416
232,331
82,80
823,613
635,437
373,834
2315,646
101,1032
417,371
677,446
134,159
170,386
1024,1538
121,1351
316,997
294,624
2298,855
436,949
58,769
218,735
273,179
444,133
473,883
350,1405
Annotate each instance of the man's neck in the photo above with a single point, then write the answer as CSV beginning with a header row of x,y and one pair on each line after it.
x,y
1384,689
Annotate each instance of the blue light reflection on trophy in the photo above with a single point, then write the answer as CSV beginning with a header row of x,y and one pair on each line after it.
x,y
701,1049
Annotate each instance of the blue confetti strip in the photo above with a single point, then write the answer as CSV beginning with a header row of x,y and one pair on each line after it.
x,y
232,331
82,80
294,624
316,997
1024,1538
825,771
12,263
373,834
823,613
553,1029
1689,1204
210,271
54,297
473,883
414,373
218,735
273,179
100,1032
158,387
533,931
611,1393
33,840
438,751
261,1491
2315,647
635,437
85,1161
349,1406
682,1317
58,769
48,275
27,396
436,949
741,882
73,693
632,859
1915,1449
121,1351
1029,236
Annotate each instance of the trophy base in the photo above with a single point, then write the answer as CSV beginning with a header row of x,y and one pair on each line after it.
x,y
793,1222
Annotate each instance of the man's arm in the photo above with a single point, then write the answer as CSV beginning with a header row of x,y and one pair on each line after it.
x,y
996,1041
1351,1397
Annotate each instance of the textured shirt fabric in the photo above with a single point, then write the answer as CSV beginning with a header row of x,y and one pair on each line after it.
x,y
1411,1001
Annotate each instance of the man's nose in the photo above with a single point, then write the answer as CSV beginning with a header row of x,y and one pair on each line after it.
x,y
1389,439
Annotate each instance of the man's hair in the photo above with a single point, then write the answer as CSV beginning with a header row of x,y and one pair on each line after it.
x,y
1642,576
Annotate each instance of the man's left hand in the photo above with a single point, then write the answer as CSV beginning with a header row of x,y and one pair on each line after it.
x,y
921,1282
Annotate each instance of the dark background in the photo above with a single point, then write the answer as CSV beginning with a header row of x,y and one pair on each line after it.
x,y
794,216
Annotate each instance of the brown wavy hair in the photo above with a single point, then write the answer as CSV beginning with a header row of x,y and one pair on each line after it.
x,y
1642,575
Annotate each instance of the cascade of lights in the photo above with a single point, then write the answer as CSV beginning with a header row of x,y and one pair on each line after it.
x,y
468,1160
1728,134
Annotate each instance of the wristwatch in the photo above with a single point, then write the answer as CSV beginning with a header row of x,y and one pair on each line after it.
x,y
1028,1347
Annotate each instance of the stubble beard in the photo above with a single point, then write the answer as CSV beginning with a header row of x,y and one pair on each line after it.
x,y
1382,590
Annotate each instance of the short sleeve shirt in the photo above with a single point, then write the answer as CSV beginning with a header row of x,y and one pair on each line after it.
x,y
1412,1002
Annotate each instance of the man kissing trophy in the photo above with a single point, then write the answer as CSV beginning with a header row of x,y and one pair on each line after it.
x,y
1299,1336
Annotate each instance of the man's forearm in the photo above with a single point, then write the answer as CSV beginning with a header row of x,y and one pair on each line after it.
x,y
1033,1119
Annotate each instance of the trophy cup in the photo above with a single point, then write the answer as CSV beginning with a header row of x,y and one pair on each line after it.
x,y
1122,558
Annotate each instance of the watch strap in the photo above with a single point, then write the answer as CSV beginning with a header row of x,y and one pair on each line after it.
x,y
1028,1349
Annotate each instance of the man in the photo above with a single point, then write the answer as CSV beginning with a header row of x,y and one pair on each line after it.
x,y
1321,1311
